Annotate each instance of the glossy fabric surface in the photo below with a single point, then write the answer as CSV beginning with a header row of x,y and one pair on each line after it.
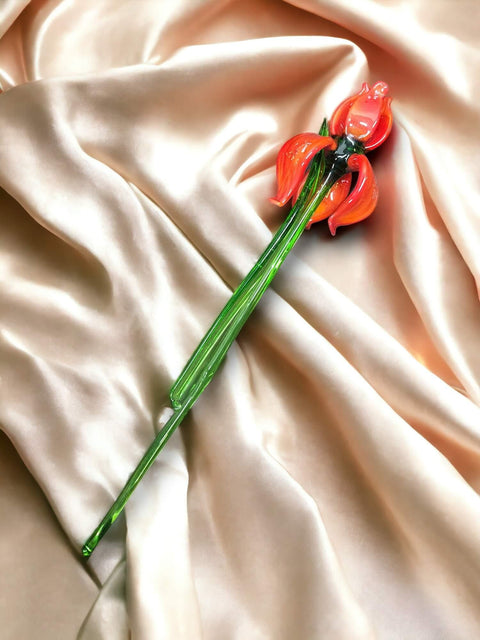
x,y
325,486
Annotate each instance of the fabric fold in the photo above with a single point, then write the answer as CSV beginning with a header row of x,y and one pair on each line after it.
x,y
326,483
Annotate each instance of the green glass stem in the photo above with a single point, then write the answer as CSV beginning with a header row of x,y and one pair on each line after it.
x,y
211,351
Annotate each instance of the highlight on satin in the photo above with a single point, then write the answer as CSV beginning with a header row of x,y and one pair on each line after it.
x,y
358,125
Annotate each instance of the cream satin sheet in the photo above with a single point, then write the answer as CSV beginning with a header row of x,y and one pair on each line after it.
x,y
326,484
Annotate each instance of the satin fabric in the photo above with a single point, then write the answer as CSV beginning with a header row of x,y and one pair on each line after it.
x,y
326,483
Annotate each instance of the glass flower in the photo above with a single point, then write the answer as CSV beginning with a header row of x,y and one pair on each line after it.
x,y
315,171
358,125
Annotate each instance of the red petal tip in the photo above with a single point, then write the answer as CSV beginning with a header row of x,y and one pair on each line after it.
x,y
332,226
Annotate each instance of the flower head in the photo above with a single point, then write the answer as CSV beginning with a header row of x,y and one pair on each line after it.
x,y
366,116
358,125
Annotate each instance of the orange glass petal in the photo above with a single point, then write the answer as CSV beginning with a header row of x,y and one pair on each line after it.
x,y
332,200
361,202
293,159
383,129
364,114
339,117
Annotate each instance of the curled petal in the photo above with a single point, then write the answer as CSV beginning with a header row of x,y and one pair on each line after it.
x,y
361,202
339,117
332,200
292,161
383,129
364,114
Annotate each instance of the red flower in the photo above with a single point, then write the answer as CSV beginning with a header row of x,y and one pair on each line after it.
x,y
359,124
